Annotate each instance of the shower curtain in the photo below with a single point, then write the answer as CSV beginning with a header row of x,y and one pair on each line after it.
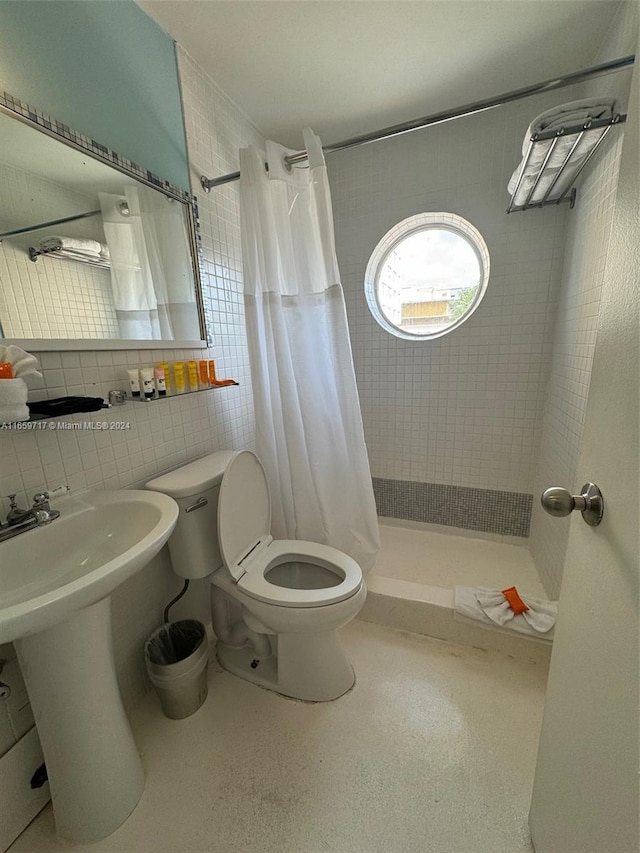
x,y
309,433
153,291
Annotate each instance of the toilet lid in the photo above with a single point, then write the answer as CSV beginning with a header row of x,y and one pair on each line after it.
x,y
244,510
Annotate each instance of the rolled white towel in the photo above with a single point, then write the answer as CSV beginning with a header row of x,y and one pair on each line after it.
x,y
13,401
75,244
570,114
25,365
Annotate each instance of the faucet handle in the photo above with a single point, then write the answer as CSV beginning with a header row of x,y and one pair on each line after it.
x,y
15,513
48,494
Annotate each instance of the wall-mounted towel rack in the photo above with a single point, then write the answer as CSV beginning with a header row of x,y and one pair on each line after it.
x,y
556,172
68,255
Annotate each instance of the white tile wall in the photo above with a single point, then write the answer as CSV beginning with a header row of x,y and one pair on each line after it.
x,y
46,299
577,318
464,409
167,433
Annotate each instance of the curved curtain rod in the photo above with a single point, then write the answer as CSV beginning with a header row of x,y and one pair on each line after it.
x,y
448,115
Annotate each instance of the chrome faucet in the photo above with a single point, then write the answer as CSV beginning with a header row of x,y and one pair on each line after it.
x,y
20,520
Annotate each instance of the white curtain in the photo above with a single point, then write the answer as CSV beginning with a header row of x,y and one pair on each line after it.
x,y
309,436
153,289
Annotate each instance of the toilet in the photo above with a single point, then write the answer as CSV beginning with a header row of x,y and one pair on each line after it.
x,y
276,605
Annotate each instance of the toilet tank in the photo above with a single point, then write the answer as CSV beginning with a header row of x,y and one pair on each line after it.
x,y
193,545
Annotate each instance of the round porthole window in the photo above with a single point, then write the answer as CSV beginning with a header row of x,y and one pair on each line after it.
x,y
427,276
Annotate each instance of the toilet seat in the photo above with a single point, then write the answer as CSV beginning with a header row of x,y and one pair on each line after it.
x,y
279,552
250,553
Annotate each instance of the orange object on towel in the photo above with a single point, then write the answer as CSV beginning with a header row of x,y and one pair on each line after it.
x,y
515,602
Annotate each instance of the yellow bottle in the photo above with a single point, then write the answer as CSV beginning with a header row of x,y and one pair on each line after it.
x,y
193,375
178,372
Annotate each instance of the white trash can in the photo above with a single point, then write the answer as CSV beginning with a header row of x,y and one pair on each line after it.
x,y
176,656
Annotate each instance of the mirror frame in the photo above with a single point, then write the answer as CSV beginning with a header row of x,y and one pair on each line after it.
x,y
35,118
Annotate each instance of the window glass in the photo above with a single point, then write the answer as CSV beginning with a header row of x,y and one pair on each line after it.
x,y
427,276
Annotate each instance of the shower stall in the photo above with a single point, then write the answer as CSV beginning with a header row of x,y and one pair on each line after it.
x,y
464,431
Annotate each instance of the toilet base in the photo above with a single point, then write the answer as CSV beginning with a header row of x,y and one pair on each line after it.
x,y
311,667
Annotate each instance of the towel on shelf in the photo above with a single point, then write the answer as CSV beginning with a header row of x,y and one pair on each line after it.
x,y
25,365
13,401
492,607
72,244
565,115
74,249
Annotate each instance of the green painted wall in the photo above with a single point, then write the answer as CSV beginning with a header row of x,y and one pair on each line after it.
x,y
104,68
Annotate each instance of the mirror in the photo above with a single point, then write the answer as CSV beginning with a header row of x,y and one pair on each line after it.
x,y
95,253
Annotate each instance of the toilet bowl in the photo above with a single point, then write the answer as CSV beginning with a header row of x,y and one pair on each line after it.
x,y
276,604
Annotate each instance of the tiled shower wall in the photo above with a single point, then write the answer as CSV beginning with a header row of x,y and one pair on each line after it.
x,y
577,319
464,410
162,434
51,298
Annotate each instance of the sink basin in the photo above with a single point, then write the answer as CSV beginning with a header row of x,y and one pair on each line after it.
x,y
100,540
55,586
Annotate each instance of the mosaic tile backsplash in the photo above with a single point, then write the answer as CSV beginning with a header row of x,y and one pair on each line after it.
x,y
487,510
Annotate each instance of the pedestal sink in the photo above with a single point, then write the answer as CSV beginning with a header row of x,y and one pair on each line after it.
x,y
55,583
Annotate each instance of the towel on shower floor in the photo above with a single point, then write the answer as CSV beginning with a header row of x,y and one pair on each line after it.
x,y
492,607
564,115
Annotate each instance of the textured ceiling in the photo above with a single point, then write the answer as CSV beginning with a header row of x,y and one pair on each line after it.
x,y
347,67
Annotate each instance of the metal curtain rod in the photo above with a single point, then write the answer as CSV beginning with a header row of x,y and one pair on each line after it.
x,y
48,224
448,115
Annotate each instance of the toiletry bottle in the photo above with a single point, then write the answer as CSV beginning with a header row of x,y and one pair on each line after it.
x,y
204,373
178,372
134,382
161,388
212,372
148,388
192,367
167,376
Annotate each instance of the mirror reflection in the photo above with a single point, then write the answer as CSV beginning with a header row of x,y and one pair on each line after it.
x,y
88,252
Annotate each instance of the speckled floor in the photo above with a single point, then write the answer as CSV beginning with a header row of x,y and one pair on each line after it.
x,y
432,752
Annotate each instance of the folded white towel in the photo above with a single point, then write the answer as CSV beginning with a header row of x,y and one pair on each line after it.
x,y
13,401
74,244
565,115
490,607
25,365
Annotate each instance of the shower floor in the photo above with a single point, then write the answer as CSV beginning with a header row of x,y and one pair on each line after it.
x,y
447,559
412,584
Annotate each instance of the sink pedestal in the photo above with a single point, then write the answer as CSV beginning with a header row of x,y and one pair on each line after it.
x,y
95,773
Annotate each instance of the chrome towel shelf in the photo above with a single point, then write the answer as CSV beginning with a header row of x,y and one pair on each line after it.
x,y
70,255
553,169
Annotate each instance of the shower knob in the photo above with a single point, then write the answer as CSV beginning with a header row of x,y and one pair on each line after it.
x,y
559,503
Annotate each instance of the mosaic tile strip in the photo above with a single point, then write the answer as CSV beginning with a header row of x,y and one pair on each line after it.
x,y
506,513
96,149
